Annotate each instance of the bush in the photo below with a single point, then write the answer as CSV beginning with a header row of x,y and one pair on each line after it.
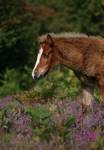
x,y
14,80
17,29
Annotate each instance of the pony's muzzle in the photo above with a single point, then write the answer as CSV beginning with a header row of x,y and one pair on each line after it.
x,y
35,75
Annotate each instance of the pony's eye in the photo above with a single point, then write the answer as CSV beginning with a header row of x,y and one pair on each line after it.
x,y
45,55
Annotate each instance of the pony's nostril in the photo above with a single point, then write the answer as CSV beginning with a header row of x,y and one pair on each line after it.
x,y
36,74
36,71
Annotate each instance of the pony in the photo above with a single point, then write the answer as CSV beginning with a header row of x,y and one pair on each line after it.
x,y
79,52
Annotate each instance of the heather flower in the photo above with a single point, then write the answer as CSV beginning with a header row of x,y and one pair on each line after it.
x,y
5,101
67,127
23,125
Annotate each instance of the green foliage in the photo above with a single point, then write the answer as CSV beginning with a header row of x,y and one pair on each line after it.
x,y
45,126
58,84
2,113
70,121
74,15
39,115
42,121
65,134
13,81
16,34
4,121
9,83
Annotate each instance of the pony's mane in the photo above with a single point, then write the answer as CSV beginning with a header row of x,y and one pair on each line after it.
x,y
66,35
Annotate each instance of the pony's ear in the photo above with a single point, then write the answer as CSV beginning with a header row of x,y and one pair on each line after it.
x,y
49,39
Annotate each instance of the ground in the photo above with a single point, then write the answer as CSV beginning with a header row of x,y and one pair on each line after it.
x,y
46,125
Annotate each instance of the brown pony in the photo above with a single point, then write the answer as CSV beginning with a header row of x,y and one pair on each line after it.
x,y
81,53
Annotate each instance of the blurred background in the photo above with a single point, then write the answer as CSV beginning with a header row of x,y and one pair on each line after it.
x,y
21,22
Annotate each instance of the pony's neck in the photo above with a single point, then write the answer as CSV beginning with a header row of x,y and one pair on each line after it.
x,y
67,54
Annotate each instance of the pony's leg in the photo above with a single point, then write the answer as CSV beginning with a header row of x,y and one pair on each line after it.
x,y
87,98
87,90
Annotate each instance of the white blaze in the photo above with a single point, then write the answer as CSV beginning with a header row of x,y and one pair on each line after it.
x,y
37,61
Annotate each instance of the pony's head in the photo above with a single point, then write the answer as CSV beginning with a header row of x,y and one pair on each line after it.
x,y
44,57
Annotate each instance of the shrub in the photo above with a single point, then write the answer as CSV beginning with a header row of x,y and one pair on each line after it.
x,y
14,80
